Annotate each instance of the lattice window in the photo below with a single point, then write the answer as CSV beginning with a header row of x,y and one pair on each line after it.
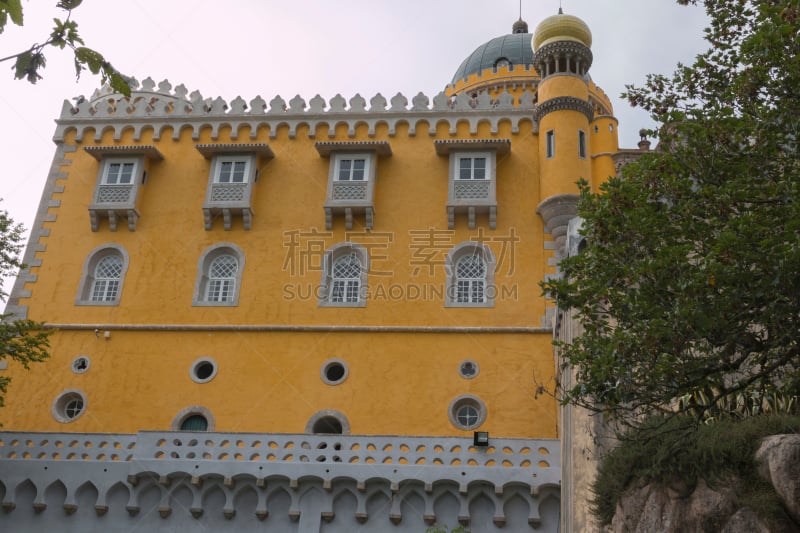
x,y
470,279
346,279
222,279
107,276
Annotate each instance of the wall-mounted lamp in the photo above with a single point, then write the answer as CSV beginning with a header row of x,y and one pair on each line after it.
x,y
480,438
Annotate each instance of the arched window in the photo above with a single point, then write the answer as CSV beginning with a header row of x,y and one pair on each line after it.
x,y
346,279
105,287
344,276
470,276
471,279
219,276
222,278
103,274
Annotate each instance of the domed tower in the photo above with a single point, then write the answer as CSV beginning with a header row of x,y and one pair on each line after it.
x,y
564,114
503,63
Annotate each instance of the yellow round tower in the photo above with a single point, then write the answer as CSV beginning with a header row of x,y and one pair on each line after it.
x,y
564,115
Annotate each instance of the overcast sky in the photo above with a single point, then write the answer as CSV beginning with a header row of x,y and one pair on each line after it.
x,y
265,48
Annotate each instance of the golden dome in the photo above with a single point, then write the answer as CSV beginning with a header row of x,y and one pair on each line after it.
x,y
561,27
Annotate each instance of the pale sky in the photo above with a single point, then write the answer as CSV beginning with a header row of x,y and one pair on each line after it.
x,y
265,48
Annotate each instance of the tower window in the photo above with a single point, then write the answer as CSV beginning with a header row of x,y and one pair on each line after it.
x,y
582,144
550,138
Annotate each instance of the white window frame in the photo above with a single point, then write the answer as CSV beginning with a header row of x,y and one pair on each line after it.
x,y
341,157
456,254
488,169
221,160
329,283
467,401
550,144
204,280
582,144
109,162
88,282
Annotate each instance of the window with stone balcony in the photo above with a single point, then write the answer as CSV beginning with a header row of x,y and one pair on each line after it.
x,y
472,184
120,180
232,177
351,179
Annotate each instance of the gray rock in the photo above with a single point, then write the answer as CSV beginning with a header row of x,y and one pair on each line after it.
x,y
778,460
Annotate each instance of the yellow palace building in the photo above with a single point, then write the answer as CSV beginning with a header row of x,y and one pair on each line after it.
x,y
306,315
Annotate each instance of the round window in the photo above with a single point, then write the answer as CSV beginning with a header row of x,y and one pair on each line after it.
x,y
80,364
69,406
467,412
468,369
203,370
334,371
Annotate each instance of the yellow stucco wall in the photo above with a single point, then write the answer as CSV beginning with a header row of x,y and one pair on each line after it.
x,y
270,348
398,383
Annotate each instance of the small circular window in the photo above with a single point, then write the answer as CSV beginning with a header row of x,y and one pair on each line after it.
x,y
69,406
203,370
80,364
468,369
467,412
334,371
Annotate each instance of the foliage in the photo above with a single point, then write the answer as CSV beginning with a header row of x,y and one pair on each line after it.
x,y
22,341
678,452
29,63
690,280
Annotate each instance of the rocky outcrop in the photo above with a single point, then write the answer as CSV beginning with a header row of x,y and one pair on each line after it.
x,y
778,461
717,508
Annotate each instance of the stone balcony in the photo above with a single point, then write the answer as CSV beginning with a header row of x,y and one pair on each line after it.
x,y
293,478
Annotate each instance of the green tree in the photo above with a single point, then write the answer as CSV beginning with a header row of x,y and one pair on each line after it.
x,y
29,63
21,341
689,285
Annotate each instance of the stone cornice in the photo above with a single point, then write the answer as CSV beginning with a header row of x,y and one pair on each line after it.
x,y
563,103
174,111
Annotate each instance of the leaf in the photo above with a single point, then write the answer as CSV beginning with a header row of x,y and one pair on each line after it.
x,y
27,66
12,9
89,58
69,4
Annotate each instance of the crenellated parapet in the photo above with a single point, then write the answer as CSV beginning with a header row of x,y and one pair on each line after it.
x,y
175,110
281,482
